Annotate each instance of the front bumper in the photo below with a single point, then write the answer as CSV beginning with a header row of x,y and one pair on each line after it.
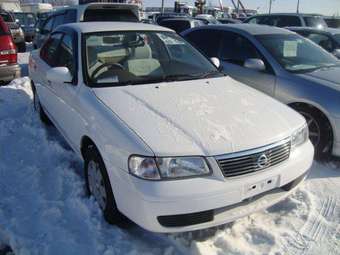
x,y
9,72
165,206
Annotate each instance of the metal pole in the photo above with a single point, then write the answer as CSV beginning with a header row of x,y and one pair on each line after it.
x,y
298,6
162,6
270,6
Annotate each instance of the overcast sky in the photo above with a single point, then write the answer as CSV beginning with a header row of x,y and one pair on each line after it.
x,y
326,7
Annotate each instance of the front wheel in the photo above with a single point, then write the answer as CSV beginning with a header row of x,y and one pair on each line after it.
x,y
98,185
320,131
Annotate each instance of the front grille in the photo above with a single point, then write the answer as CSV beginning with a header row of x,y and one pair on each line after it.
x,y
237,164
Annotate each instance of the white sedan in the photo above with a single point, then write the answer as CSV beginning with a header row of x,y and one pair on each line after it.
x,y
167,140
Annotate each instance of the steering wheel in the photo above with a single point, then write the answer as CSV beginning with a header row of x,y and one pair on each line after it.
x,y
111,66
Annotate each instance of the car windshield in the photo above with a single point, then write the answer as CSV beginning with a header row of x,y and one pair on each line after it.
x,y
297,54
129,58
26,19
6,17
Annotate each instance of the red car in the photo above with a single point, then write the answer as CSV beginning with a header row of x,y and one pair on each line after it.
x,y
9,68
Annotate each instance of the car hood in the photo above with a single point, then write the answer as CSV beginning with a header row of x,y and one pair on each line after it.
x,y
200,117
327,76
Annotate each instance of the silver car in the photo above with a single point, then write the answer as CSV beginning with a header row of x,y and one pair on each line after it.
x,y
283,65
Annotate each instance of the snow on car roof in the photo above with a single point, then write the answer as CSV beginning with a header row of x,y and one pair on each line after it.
x,y
90,27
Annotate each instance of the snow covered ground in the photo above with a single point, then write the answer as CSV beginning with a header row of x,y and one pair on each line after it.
x,y
44,209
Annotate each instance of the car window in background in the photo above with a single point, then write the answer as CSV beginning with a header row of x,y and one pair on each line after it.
x,y
177,25
26,19
47,27
109,15
333,22
288,21
70,16
208,41
49,50
127,58
236,49
313,21
297,54
323,40
58,20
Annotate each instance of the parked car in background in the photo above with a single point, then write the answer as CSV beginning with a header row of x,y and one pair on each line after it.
x,y
207,19
229,21
328,38
180,24
288,20
333,22
36,8
27,22
9,68
86,12
283,65
10,5
162,130
167,15
15,29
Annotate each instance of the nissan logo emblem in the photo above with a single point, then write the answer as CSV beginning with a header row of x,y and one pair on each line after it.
x,y
262,161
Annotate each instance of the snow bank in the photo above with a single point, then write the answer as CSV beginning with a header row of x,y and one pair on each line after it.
x,y
44,210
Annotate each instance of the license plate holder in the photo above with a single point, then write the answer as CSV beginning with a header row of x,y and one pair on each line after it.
x,y
261,186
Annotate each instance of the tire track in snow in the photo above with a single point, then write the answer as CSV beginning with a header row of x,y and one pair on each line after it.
x,y
316,229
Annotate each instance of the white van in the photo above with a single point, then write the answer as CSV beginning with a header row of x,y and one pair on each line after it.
x,y
10,5
36,8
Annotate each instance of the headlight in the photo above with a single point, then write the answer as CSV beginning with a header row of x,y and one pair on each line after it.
x,y
300,136
168,168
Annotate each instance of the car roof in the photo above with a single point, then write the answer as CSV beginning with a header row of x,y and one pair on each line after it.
x,y
251,29
289,14
91,27
333,31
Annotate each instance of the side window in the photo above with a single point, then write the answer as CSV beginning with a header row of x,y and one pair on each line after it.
x,y
253,20
47,28
236,49
288,21
267,20
59,20
66,54
323,40
208,41
49,51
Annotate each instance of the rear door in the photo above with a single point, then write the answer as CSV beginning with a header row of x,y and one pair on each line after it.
x,y
234,51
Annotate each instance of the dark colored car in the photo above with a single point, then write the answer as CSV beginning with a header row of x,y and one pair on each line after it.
x,y
180,24
229,21
27,21
333,22
327,38
15,29
288,20
9,68
168,15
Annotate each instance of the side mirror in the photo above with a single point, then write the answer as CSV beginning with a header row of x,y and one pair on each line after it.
x,y
216,62
337,53
255,64
59,75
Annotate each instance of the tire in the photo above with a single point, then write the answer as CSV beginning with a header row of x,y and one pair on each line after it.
x,y
22,47
320,131
38,108
97,183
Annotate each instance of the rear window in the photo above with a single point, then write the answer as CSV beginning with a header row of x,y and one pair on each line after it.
x,y
109,15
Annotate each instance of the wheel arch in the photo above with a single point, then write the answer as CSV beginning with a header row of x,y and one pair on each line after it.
x,y
86,141
321,111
